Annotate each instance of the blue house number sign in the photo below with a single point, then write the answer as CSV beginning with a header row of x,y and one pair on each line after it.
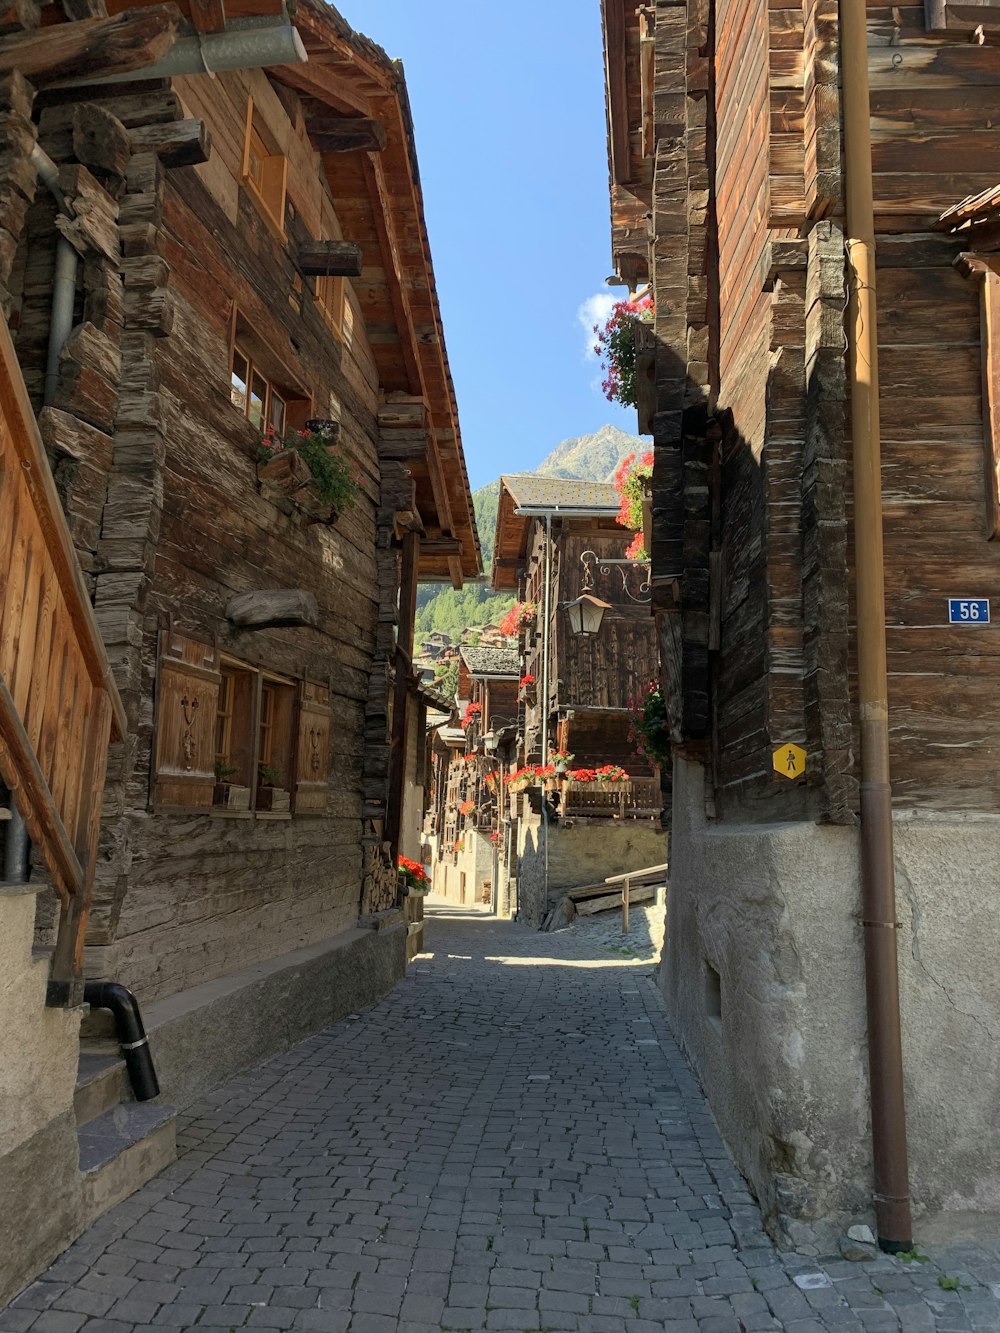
x,y
968,611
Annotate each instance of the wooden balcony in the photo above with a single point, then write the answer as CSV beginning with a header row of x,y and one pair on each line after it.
x,y
638,799
58,701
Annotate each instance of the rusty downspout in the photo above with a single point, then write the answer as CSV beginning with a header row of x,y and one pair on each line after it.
x,y
885,1055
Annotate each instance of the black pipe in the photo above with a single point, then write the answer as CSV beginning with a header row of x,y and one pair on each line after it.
x,y
131,1034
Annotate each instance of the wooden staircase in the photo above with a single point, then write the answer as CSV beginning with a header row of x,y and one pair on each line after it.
x,y
58,701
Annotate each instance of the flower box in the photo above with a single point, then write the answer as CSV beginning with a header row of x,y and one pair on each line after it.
x,y
309,471
286,477
275,799
231,796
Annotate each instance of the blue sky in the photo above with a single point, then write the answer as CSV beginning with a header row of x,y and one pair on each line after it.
x,y
508,105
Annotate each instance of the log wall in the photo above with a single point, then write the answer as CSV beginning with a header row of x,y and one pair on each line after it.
x,y
158,474
753,562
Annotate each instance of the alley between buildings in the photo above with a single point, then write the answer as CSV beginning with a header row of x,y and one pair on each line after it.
x,y
510,1140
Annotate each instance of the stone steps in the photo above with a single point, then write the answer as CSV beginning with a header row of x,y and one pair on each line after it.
x,y
122,1148
101,1083
123,1143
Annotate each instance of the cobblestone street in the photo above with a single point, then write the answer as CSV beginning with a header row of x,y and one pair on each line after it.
x,y
509,1141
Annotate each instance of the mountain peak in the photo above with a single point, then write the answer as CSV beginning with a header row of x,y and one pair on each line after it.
x,y
590,457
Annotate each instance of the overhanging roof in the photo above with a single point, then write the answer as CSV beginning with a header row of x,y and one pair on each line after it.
x,y
527,491
379,203
492,661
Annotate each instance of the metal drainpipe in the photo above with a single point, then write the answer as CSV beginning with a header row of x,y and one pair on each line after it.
x,y
546,636
885,1052
17,843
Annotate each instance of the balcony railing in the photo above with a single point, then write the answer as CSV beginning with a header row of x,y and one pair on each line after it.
x,y
58,701
638,799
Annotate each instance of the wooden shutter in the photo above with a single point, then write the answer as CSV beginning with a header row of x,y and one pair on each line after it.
x,y
187,701
312,751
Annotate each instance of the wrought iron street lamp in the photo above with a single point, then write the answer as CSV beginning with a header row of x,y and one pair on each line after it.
x,y
586,614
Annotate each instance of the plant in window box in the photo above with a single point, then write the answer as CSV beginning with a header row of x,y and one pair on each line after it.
x,y
413,876
229,795
633,482
561,760
521,616
527,690
310,469
616,346
270,793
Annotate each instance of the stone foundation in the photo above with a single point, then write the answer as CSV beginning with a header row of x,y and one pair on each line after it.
x,y
582,851
764,982
204,1036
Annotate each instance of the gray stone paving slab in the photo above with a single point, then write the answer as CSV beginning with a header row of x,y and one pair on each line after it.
x,y
511,1141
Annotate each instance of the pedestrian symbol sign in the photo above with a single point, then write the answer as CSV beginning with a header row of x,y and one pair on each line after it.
x,y
790,761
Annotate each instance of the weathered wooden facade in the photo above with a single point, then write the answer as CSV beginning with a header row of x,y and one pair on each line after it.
x,y
565,532
468,823
727,199
185,261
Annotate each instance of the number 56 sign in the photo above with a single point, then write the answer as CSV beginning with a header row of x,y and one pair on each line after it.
x,y
968,611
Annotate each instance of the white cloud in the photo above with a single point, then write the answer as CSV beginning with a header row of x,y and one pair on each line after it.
x,y
595,310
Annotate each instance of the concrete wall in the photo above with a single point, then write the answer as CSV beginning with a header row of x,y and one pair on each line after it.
x,y
38,1145
475,862
585,852
764,981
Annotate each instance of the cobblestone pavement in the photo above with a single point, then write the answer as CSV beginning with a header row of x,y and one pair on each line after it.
x,y
644,941
510,1141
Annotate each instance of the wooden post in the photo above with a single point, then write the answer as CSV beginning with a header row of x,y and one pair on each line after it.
x,y
401,693
625,898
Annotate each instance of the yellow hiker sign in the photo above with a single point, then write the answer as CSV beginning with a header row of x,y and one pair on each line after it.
x,y
790,761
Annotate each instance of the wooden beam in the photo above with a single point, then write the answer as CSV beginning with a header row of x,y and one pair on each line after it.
x,y
181,143
208,15
401,692
85,9
330,259
346,134
403,444
71,52
434,546
273,606
617,89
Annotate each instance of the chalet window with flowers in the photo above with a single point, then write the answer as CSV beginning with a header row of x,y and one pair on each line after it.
x,y
232,737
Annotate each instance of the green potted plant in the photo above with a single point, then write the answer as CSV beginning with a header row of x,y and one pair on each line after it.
x,y
310,469
227,794
616,345
271,795
561,760
633,482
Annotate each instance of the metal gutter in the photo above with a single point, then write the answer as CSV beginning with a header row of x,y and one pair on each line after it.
x,y
878,891
245,43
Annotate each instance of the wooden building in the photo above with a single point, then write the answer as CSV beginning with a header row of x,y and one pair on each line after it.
x,y
726,153
186,261
564,532
466,828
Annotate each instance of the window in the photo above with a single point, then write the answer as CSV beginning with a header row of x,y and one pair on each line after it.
x,y
237,738
330,299
265,169
256,396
